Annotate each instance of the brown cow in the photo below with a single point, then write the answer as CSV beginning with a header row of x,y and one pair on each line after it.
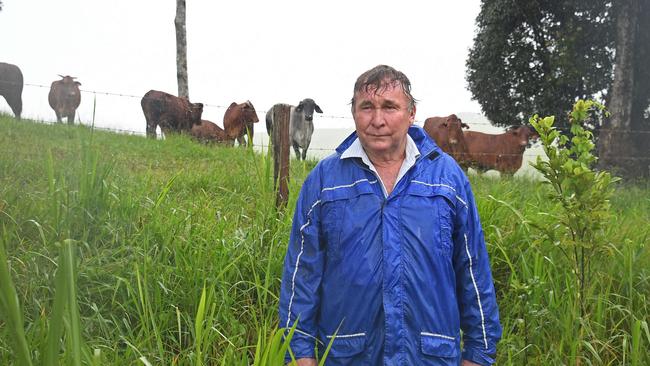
x,y
65,97
447,132
238,122
503,152
208,132
171,113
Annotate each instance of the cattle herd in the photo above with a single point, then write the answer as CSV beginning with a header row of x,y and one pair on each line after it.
x,y
172,114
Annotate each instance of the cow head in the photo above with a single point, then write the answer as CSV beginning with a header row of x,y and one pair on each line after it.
x,y
307,106
67,92
524,135
455,135
196,110
248,112
454,127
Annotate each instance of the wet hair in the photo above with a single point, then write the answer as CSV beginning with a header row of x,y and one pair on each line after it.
x,y
379,78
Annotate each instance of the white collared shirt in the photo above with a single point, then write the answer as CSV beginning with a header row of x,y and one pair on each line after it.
x,y
356,151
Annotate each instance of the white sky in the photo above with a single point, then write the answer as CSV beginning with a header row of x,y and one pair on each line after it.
x,y
263,51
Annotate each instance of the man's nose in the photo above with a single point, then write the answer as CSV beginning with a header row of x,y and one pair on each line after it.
x,y
377,118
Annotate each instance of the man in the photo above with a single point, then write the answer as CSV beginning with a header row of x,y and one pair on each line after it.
x,y
387,258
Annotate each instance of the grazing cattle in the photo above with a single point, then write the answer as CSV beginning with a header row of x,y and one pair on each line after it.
x,y
447,132
207,131
171,113
65,97
301,125
238,122
11,87
503,152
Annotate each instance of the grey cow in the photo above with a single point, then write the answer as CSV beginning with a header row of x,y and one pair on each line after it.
x,y
11,87
301,125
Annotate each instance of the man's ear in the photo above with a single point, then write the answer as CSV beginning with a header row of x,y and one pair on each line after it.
x,y
412,115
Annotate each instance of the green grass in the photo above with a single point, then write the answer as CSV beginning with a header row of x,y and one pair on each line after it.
x,y
172,253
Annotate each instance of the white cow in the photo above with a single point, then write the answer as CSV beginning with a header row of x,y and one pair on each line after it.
x,y
301,124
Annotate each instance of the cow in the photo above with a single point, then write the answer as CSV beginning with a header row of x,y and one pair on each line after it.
x,y
502,152
301,125
64,98
208,131
171,113
11,87
447,132
238,122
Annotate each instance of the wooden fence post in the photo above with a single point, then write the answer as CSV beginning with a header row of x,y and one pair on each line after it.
x,y
281,154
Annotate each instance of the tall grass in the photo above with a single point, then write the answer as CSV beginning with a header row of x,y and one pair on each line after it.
x,y
178,254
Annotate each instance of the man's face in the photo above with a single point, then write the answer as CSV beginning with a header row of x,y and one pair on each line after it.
x,y
382,119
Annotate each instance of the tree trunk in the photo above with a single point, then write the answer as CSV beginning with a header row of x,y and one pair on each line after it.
x,y
617,149
641,106
181,50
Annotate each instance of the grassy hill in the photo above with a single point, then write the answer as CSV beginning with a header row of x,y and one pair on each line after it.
x,y
178,253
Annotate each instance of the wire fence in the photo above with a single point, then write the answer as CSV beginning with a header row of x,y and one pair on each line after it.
x,y
140,97
325,116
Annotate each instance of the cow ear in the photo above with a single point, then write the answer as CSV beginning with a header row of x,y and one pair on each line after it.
x,y
464,125
77,83
445,124
299,107
317,109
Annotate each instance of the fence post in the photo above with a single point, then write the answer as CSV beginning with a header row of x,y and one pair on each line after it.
x,y
280,140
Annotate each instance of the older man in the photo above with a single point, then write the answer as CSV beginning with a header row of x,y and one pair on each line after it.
x,y
387,258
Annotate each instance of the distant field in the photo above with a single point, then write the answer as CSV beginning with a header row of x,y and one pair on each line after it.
x,y
154,223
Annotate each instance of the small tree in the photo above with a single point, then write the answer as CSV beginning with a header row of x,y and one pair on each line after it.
x,y
582,193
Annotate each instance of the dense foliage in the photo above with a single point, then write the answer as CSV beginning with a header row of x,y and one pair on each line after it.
x,y
179,254
539,56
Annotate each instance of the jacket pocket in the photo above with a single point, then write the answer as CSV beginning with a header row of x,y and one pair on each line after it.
x,y
347,345
439,346
429,212
335,202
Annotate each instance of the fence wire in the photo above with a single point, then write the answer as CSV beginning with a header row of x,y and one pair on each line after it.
x,y
348,118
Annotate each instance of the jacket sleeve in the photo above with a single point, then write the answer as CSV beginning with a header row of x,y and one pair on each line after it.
x,y
302,272
479,314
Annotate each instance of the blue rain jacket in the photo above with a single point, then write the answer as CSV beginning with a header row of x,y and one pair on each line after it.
x,y
395,278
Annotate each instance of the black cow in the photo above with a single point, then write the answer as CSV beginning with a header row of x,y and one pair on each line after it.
x,y
11,87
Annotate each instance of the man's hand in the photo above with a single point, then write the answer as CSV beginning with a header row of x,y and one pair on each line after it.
x,y
465,363
305,362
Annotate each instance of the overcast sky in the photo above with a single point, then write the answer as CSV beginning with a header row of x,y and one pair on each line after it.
x,y
263,51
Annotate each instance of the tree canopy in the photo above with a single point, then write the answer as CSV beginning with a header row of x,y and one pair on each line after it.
x,y
539,57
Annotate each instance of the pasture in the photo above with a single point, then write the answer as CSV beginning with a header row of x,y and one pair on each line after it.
x,y
178,251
